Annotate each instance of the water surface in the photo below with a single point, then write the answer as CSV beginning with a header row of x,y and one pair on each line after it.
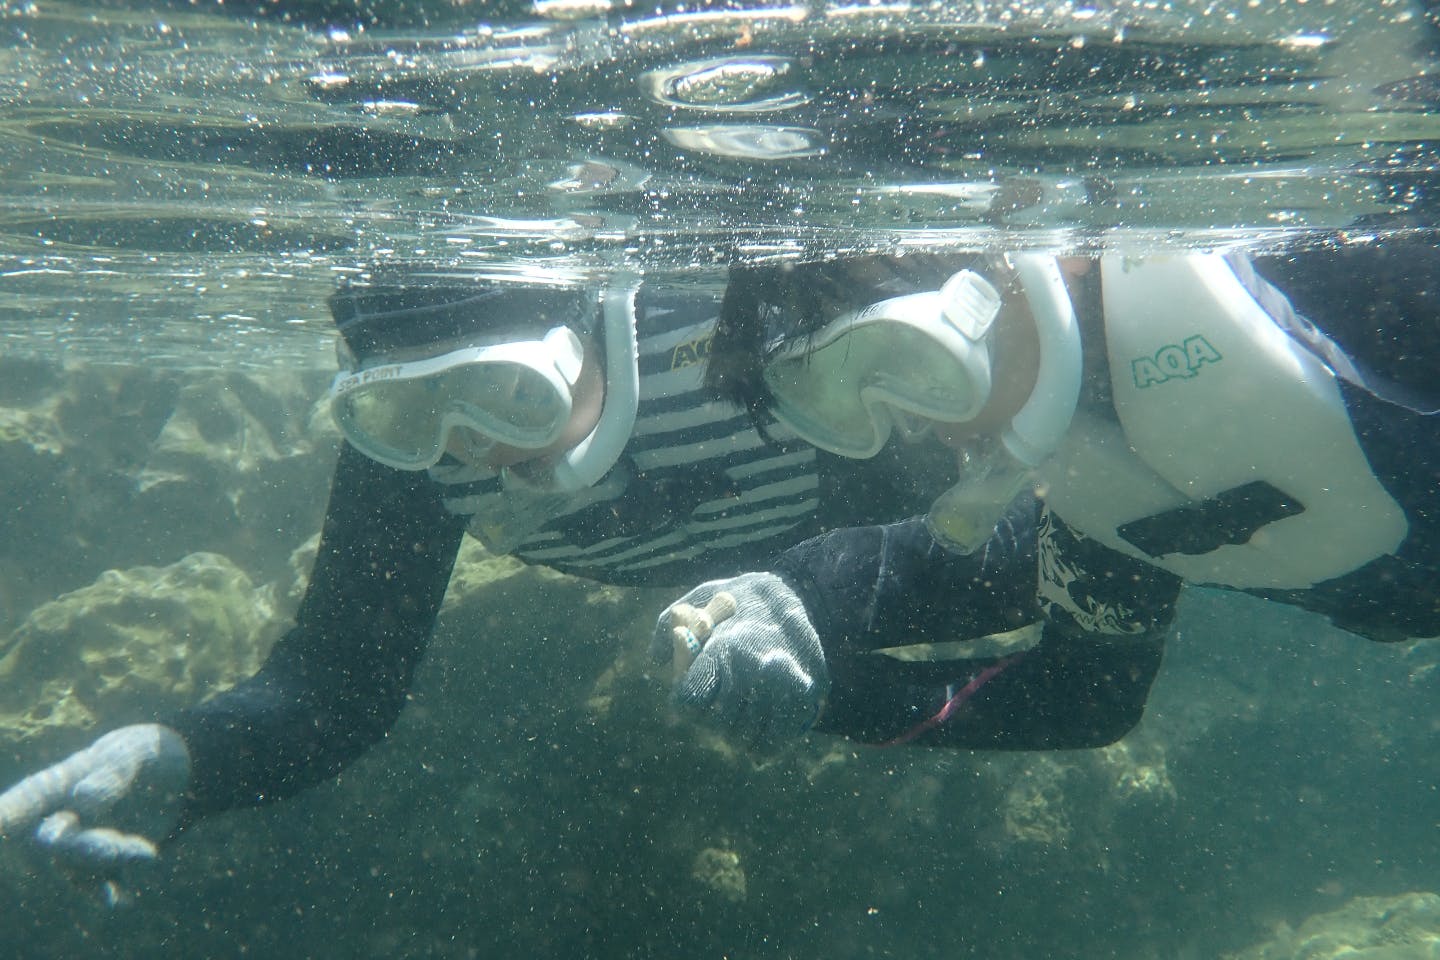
x,y
172,178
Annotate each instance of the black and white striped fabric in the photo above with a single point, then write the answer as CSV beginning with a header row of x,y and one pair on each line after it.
x,y
697,488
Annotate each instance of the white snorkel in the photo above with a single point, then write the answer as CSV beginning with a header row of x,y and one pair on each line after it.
x,y
1038,428
593,457
964,516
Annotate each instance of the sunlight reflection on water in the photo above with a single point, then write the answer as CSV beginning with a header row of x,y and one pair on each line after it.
x,y
188,180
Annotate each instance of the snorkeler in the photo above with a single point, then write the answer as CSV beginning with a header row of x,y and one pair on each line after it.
x,y
537,419
1123,426
564,424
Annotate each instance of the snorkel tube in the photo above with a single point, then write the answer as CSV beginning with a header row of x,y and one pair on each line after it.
x,y
593,457
1038,428
964,516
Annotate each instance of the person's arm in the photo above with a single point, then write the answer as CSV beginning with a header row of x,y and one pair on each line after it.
x,y
335,683
1368,310
1372,312
1084,685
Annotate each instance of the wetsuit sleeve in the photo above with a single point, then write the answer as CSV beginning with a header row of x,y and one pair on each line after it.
x,y
1083,685
334,684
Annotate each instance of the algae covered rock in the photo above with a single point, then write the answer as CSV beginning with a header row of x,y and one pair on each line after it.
x,y
720,872
1036,807
118,465
1406,927
240,463
132,643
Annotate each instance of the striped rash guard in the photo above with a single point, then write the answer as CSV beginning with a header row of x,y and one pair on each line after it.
x,y
696,485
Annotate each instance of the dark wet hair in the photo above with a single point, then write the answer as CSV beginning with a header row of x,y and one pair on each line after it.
x,y
383,317
768,309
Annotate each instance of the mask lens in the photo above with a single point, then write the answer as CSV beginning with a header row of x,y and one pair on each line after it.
x,y
844,396
511,402
395,422
403,414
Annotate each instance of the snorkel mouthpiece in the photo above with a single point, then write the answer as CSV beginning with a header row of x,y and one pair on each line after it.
x,y
964,516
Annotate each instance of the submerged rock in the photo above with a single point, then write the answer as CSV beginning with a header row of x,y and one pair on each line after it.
x,y
134,642
1406,927
720,872
118,465
1036,807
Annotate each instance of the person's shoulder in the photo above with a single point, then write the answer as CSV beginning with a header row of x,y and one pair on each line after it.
x,y
1376,300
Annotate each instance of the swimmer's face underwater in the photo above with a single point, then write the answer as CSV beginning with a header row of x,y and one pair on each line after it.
x,y
957,362
987,358
587,399
489,402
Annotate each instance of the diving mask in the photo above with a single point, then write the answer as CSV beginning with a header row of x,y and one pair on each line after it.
x,y
912,361
516,393
905,363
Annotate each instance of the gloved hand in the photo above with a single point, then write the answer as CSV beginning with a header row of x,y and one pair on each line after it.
x,y
107,806
759,670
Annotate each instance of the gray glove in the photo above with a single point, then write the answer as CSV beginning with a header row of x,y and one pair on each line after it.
x,y
107,806
758,667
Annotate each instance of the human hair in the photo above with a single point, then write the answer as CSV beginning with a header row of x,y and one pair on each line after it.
x,y
376,318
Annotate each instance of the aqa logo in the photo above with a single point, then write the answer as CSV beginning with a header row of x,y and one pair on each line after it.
x,y
1171,361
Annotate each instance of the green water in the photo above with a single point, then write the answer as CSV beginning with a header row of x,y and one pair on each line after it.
x,y
180,191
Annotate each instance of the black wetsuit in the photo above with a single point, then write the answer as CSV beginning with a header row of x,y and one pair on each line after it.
x,y
336,682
